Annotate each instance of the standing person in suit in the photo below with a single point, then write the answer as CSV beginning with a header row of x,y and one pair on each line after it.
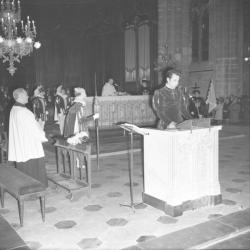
x,y
25,139
170,101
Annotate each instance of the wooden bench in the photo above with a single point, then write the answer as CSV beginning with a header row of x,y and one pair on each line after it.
x,y
22,187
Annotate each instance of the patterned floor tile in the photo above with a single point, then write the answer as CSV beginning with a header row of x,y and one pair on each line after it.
x,y
233,190
4,211
88,243
114,194
117,222
33,245
93,208
144,238
167,220
239,180
140,206
16,226
229,202
134,184
96,185
214,216
66,224
49,210
244,172
111,177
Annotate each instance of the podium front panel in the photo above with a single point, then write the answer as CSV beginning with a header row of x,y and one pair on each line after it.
x,y
181,166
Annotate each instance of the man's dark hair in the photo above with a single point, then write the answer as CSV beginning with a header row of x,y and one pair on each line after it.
x,y
168,72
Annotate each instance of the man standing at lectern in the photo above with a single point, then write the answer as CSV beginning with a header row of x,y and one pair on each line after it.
x,y
170,102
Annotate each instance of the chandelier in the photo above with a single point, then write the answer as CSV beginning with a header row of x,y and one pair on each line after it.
x,y
16,38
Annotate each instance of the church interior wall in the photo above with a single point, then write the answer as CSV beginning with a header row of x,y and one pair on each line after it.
x,y
226,38
69,57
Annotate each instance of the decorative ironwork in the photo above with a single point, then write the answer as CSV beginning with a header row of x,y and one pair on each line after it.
x,y
165,59
16,38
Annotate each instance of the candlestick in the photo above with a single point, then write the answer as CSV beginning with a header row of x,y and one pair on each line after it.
x,y
95,86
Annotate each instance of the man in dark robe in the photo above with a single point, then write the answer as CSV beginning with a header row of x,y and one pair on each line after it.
x,y
77,120
170,102
39,105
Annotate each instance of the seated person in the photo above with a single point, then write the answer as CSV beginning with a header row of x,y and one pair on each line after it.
x,y
108,88
145,89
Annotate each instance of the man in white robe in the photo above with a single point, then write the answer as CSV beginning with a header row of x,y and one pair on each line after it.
x,y
109,89
25,139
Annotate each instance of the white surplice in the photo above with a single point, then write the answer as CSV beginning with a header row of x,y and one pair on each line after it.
x,y
25,136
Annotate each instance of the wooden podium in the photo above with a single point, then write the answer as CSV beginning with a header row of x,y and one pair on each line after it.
x,y
181,169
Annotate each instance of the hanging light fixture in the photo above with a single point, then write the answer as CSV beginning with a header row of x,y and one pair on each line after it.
x,y
16,38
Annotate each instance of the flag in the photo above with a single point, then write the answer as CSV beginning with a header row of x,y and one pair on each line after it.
x,y
211,98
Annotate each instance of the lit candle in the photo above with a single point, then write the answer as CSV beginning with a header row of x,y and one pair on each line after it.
x,y
22,24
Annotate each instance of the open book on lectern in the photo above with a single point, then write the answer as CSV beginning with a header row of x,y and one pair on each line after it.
x,y
133,128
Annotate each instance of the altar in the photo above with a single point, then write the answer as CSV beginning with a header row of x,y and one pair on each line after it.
x,y
181,169
136,109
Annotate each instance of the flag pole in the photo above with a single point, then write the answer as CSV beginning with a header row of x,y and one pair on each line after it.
x,y
96,110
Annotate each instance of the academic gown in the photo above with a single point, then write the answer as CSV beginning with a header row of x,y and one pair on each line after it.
x,y
76,120
170,106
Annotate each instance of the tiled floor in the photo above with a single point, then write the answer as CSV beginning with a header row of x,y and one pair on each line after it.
x,y
100,222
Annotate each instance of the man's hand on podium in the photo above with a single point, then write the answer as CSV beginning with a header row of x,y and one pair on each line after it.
x,y
171,125
96,116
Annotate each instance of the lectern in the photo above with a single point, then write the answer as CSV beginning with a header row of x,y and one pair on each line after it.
x,y
131,129
181,169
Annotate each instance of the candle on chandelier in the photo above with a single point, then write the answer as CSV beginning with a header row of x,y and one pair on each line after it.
x,y
22,24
